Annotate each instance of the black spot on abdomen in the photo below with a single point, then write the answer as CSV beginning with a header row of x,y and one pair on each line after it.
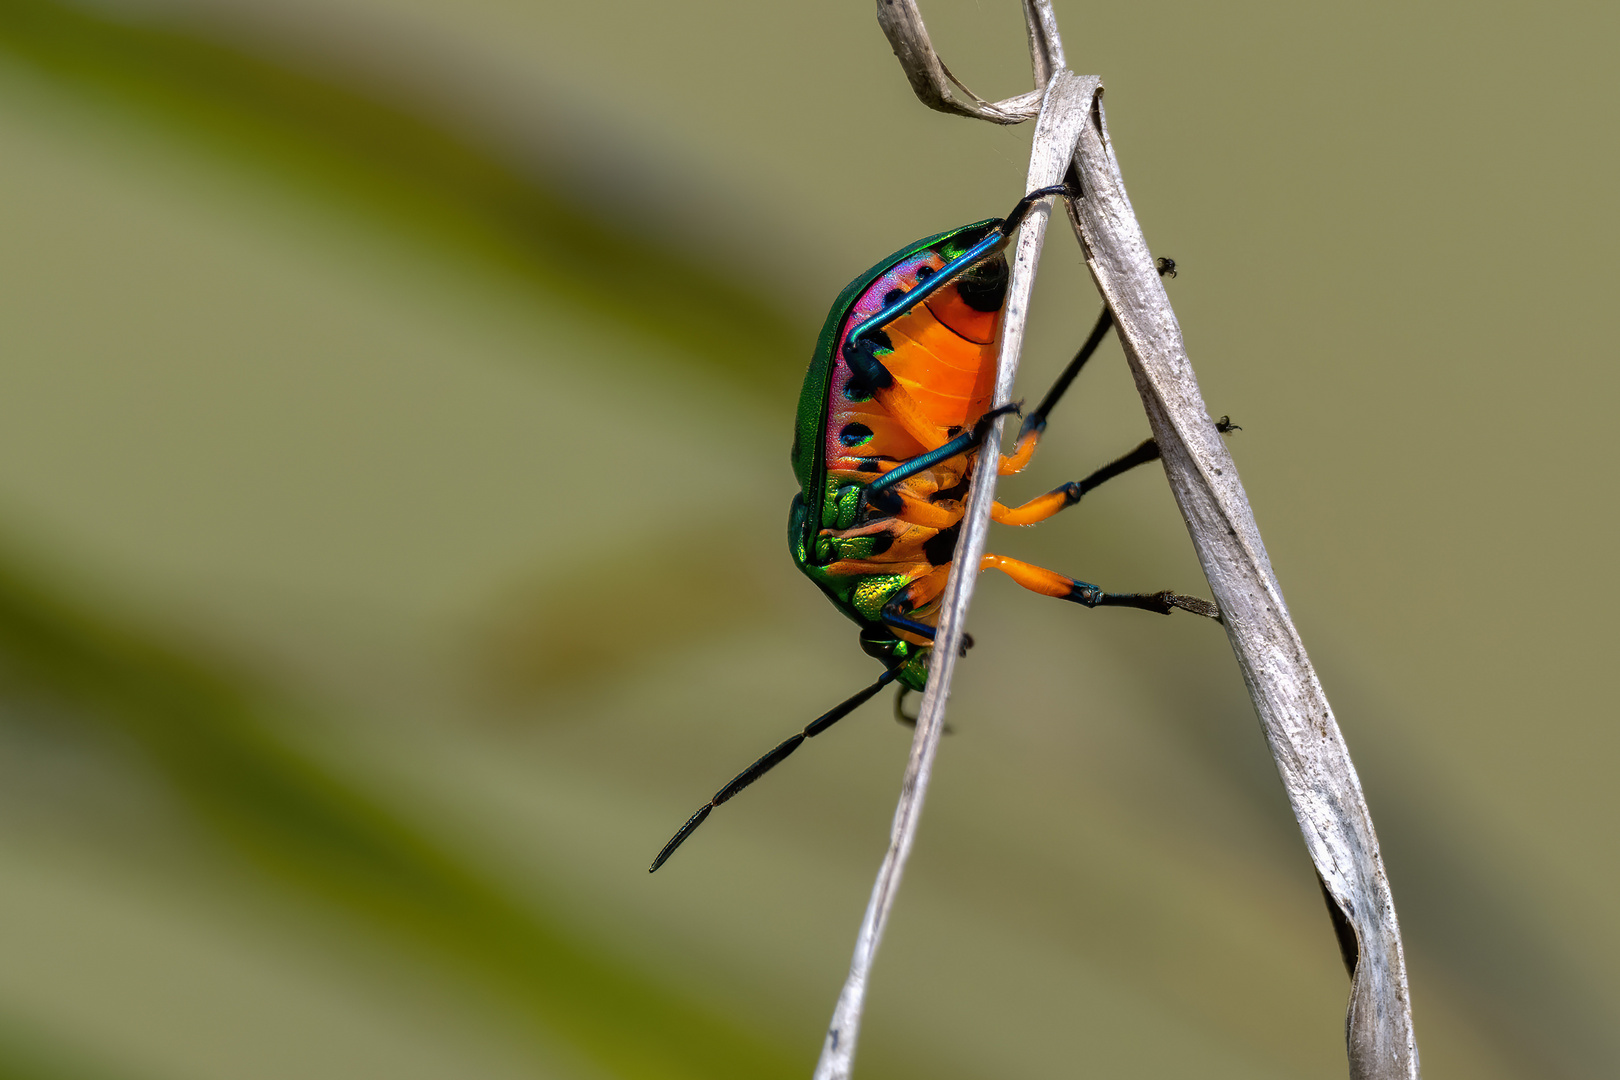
x,y
940,548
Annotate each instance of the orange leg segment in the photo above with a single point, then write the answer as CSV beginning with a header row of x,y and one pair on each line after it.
x,y
1021,455
1051,583
929,515
1039,508
1036,578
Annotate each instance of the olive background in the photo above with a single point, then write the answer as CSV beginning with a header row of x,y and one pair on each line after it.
x,y
393,473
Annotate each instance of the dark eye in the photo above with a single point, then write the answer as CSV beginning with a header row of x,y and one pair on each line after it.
x,y
892,295
854,434
924,273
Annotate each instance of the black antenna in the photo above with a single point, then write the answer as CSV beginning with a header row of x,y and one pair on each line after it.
x,y
769,762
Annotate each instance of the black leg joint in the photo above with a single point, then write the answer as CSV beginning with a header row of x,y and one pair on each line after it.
x,y
1083,593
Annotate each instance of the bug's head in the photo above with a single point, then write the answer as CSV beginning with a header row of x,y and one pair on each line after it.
x,y
983,286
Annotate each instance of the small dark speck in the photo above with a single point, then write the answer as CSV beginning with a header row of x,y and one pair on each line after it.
x,y
1217,472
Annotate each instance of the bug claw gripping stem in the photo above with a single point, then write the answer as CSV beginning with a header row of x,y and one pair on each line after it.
x,y
892,421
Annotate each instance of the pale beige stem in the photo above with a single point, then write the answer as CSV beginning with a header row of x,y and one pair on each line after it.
x,y
1310,753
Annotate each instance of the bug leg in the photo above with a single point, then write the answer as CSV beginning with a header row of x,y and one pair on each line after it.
x,y
907,624
1029,435
929,515
900,714
905,718
1039,508
905,505
898,612
919,594
877,493
1144,453
1044,506
769,762
1050,583
1161,602
922,630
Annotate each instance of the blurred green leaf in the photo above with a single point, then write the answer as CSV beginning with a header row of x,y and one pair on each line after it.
x,y
27,1055
409,172
207,732
568,631
309,829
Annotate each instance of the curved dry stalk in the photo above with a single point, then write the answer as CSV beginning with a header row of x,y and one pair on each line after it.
x,y
1057,135
1310,753
1305,741
932,81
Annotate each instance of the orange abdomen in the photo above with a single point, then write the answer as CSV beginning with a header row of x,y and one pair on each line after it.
x,y
945,358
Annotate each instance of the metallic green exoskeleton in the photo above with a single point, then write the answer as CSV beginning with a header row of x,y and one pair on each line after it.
x,y
896,404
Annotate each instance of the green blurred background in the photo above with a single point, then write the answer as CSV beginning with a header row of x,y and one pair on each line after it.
x,y
393,468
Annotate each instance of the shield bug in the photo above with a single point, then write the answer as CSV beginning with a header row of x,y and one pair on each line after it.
x,y
895,407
